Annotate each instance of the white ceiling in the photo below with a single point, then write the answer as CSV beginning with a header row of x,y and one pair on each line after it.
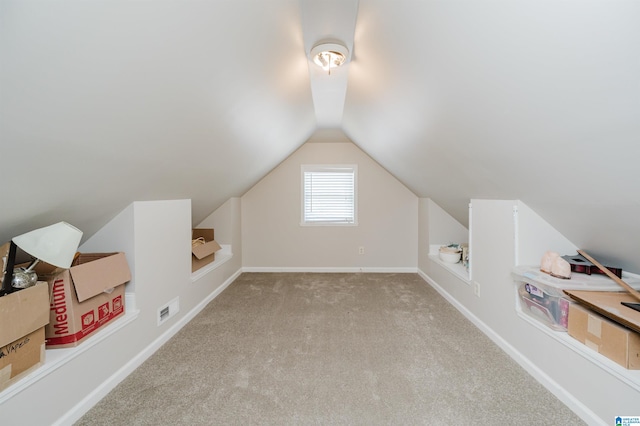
x,y
108,102
331,21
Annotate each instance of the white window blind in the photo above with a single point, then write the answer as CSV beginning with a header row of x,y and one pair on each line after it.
x,y
329,195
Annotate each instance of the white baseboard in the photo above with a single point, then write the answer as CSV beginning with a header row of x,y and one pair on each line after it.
x,y
103,389
543,378
349,269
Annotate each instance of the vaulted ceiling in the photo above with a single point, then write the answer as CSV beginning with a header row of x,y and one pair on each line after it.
x,y
103,103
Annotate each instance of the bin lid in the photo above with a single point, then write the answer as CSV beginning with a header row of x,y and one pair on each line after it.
x,y
578,281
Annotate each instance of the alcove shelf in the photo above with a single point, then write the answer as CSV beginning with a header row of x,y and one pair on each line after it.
x,y
457,269
630,377
222,256
441,229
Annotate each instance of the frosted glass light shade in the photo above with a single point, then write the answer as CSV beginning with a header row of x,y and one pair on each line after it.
x,y
55,244
329,55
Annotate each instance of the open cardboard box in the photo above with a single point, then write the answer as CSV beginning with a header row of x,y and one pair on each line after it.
x,y
23,316
203,248
85,297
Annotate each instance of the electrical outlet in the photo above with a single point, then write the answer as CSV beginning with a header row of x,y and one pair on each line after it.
x,y
476,288
167,311
360,250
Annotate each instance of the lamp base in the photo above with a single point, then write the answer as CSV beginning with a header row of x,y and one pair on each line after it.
x,y
22,278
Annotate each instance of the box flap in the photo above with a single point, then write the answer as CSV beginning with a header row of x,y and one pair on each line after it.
x,y
609,305
23,312
97,272
206,249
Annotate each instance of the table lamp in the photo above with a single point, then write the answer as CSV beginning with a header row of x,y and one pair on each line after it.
x,y
55,244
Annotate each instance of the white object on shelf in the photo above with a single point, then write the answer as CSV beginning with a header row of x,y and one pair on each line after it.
x,y
451,253
450,257
457,269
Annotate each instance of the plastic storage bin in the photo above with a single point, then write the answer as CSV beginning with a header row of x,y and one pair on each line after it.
x,y
542,296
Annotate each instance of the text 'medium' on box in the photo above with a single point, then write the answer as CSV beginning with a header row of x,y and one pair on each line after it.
x,y
85,297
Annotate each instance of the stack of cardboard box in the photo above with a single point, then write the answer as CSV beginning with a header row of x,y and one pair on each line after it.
x,y
61,310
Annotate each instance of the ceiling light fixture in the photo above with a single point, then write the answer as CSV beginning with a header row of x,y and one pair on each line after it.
x,y
329,55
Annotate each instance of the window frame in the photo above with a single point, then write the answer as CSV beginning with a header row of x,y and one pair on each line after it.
x,y
319,168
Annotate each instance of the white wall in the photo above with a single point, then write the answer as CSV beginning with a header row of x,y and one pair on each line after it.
x,y
219,220
387,227
536,236
443,228
226,224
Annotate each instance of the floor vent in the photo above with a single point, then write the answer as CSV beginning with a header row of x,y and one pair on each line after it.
x,y
167,311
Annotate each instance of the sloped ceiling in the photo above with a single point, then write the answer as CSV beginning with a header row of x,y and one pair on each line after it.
x,y
107,102
530,100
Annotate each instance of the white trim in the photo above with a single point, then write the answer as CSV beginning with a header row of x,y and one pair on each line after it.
x,y
470,263
105,387
543,378
516,237
349,269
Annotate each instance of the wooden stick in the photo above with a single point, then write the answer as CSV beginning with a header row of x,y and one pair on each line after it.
x,y
611,275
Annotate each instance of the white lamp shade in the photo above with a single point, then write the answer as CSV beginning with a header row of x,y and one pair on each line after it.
x,y
55,244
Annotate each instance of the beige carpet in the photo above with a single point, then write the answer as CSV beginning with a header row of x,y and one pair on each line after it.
x,y
357,349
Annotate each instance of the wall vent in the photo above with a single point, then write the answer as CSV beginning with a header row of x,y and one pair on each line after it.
x,y
167,311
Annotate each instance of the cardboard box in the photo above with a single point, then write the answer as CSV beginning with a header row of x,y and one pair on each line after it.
x,y
23,316
85,297
604,336
203,248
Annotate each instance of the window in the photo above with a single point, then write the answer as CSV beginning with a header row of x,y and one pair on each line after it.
x,y
329,195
